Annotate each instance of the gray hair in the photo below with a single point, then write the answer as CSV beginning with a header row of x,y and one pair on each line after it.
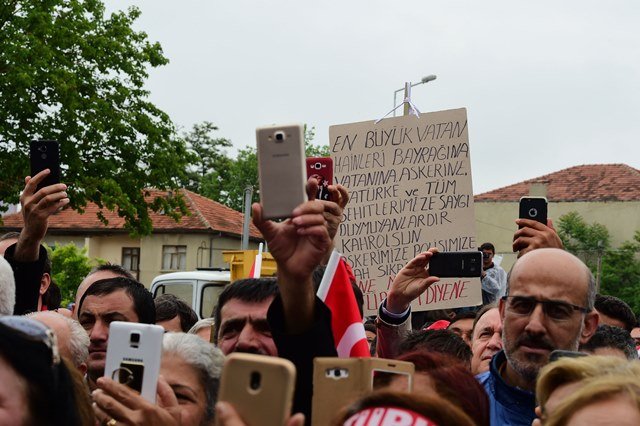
x,y
78,336
203,357
206,322
78,341
7,288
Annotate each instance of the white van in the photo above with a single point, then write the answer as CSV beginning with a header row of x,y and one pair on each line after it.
x,y
199,289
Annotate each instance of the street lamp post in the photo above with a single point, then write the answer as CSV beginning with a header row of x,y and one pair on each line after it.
x,y
406,93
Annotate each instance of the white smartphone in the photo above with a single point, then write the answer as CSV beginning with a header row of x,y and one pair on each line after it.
x,y
134,353
282,169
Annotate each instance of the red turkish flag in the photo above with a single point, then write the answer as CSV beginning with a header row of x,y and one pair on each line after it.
x,y
336,292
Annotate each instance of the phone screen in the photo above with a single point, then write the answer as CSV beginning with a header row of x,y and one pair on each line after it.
x,y
321,169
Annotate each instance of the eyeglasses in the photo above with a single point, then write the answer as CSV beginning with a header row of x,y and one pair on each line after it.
x,y
554,309
486,255
35,331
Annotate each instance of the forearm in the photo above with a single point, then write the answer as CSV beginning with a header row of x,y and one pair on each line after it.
x,y
390,332
298,302
27,247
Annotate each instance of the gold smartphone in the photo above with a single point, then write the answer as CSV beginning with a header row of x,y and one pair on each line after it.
x,y
281,169
337,382
259,387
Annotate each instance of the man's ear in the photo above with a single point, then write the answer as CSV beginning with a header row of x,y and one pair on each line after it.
x,y
501,306
82,368
590,326
45,281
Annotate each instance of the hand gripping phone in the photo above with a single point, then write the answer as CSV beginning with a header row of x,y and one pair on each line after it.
x,y
45,154
133,356
281,169
259,387
456,264
534,208
321,169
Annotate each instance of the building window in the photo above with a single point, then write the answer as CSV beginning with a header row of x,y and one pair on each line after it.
x,y
174,258
131,260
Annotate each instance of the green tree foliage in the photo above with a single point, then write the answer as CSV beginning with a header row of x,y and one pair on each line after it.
x,y
69,72
208,157
621,272
580,237
227,185
240,173
69,266
620,267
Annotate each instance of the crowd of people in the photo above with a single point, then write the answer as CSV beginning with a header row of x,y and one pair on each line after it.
x,y
543,348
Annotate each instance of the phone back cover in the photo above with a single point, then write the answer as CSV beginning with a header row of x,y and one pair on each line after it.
x,y
148,352
330,394
533,208
281,169
44,154
268,405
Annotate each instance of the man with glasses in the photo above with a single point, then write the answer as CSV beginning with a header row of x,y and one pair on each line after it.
x,y
548,306
494,278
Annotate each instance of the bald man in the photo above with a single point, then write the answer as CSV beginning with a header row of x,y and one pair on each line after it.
x,y
73,340
548,306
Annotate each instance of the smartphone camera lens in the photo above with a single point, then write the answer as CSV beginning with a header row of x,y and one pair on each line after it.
x,y
317,166
337,372
254,380
533,212
279,136
42,148
134,339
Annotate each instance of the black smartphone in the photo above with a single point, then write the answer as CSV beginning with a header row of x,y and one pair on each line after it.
x,y
456,264
534,208
45,154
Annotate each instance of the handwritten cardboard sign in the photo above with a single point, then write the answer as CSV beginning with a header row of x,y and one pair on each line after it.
x,y
409,180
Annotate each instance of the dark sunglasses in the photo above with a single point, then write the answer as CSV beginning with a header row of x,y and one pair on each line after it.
x,y
554,309
36,331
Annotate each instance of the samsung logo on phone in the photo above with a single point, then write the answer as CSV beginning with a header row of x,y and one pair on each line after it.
x,y
133,359
281,155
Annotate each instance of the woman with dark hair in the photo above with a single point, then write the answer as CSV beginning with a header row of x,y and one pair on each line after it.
x,y
36,386
449,379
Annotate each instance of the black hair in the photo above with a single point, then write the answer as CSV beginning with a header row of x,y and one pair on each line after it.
x,y
52,297
169,306
253,290
50,395
112,267
317,275
488,246
142,300
10,235
463,315
441,341
609,336
617,309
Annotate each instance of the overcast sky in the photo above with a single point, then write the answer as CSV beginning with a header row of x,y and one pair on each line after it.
x,y
547,84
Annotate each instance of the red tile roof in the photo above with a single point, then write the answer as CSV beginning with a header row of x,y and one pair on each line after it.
x,y
592,182
206,216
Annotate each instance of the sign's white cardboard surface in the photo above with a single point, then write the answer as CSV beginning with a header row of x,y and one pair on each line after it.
x,y
409,180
